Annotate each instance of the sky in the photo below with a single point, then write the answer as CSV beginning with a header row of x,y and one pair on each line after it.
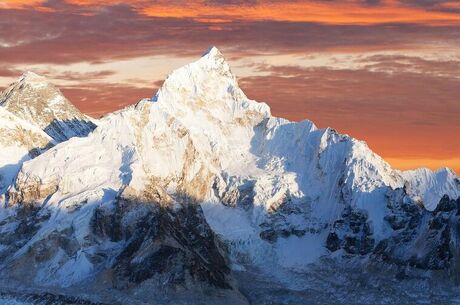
x,y
383,71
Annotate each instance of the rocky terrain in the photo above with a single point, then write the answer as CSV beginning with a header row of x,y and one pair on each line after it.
x,y
199,195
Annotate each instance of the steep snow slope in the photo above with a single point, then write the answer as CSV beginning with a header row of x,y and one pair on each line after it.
x,y
34,99
277,193
429,186
20,141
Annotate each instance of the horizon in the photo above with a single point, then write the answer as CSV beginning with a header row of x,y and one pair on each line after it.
x,y
386,74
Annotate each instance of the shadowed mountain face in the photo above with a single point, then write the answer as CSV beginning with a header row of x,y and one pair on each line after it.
x,y
172,245
15,298
199,196
133,241
62,130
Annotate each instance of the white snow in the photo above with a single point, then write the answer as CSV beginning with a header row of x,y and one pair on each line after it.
x,y
11,301
36,100
14,151
201,125
297,253
429,186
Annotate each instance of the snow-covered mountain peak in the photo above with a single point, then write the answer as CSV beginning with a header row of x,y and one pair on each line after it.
x,y
34,78
33,91
447,171
209,87
429,186
212,51
36,100
214,57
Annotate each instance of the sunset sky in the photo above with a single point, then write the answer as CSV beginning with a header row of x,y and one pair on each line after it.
x,y
384,71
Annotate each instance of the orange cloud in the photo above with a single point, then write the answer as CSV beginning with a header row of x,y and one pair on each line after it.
x,y
345,12
451,5
337,12
18,4
101,2
97,99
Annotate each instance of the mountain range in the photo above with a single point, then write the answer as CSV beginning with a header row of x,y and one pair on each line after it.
x,y
199,195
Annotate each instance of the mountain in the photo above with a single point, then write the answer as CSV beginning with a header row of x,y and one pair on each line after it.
x,y
20,141
34,99
201,195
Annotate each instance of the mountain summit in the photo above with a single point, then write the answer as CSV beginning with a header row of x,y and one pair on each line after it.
x,y
191,193
34,99
207,87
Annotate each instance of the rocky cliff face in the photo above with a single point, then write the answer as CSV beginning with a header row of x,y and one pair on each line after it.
x,y
183,191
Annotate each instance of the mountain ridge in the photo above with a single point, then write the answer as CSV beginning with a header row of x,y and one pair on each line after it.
x,y
201,164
